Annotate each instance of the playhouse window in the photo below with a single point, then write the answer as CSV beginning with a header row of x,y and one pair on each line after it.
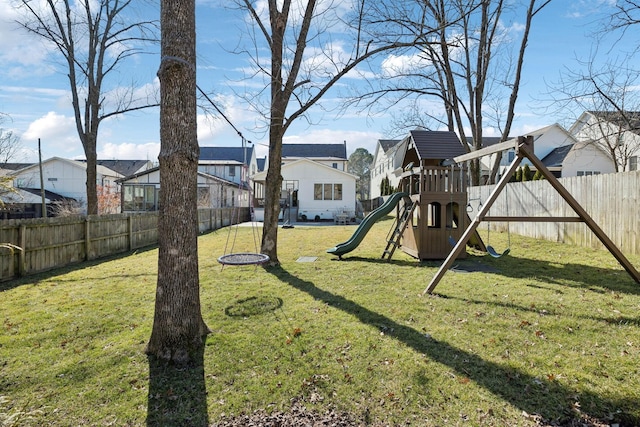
x,y
451,209
434,215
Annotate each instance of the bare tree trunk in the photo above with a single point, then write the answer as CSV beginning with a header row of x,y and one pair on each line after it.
x,y
92,175
178,327
273,188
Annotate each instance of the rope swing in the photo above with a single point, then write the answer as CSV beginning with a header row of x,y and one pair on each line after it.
x,y
243,258
240,258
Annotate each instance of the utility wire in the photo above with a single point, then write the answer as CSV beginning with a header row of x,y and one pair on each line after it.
x,y
220,111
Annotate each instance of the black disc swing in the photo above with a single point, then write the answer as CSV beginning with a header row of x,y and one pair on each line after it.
x,y
490,250
240,258
243,258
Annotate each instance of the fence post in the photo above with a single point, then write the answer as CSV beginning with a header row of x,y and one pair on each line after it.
x,y
130,231
22,258
87,239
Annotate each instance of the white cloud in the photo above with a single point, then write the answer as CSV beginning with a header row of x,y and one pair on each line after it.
x,y
22,51
130,151
394,65
52,127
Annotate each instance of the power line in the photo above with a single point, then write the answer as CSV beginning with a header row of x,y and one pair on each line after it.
x,y
220,111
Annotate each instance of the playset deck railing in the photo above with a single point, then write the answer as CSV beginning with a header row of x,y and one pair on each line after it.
x,y
437,179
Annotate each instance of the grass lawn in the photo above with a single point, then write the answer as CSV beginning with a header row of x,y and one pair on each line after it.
x,y
549,333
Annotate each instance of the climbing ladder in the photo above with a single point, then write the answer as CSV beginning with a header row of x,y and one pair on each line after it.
x,y
398,227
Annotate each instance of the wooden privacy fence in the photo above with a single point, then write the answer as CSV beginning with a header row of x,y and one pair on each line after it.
x,y
612,200
31,246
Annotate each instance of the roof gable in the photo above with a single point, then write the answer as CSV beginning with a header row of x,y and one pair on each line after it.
x,y
78,164
627,120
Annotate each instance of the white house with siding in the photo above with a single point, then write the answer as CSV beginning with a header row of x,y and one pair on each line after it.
x,y
609,130
311,191
64,177
387,163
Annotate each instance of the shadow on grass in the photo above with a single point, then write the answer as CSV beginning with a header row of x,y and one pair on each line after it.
x,y
177,395
59,271
593,278
547,399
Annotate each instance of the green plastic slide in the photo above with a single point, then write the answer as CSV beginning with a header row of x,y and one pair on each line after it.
x,y
366,224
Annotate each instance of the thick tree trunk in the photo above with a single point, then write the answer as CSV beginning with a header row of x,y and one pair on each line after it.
x,y
178,327
273,188
92,176
279,100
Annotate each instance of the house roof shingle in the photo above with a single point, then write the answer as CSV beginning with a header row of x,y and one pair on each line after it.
x,y
123,167
14,166
226,153
338,151
556,156
54,197
386,144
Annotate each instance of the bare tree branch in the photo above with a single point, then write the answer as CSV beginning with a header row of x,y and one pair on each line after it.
x,y
94,38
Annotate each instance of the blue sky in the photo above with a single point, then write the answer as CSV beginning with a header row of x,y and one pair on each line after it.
x,y
34,92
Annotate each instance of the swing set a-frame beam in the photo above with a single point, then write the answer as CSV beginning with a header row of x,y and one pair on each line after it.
x,y
524,149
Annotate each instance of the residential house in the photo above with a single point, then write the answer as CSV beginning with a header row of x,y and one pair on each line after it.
x,y
579,159
387,164
227,163
316,185
141,191
617,134
560,152
311,191
223,181
63,177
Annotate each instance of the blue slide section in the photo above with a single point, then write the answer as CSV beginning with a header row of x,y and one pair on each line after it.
x,y
366,224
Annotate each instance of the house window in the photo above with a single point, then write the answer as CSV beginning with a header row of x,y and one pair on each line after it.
x,y
337,191
204,197
232,171
633,163
588,173
327,191
335,166
139,198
